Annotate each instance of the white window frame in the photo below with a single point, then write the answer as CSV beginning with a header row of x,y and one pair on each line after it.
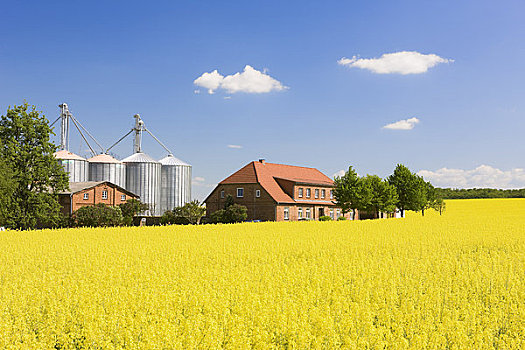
x,y
316,193
332,214
286,213
300,192
258,193
338,213
122,197
307,213
331,194
86,196
308,192
241,192
222,193
105,194
323,193
300,213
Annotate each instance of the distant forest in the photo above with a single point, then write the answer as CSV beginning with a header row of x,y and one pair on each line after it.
x,y
456,193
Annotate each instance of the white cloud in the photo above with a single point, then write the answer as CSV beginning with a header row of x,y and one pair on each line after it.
x,y
210,81
338,173
250,81
403,62
482,176
197,91
235,146
405,124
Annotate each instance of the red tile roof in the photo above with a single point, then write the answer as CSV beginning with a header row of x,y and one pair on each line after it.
x,y
266,173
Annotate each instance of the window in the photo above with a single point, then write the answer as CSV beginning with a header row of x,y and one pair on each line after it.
x,y
222,194
323,192
307,213
300,213
240,192
86,195
300,193
257,193
123,197
104,194
338,213
332,214
308,192
286,213
316,193
331,194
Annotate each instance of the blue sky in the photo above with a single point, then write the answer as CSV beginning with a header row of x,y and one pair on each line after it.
x,y
110,60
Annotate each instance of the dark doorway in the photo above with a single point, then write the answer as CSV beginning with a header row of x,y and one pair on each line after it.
x,y
321,212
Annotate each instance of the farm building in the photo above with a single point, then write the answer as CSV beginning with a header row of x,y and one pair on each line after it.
x,y
89,193
277,192
162,185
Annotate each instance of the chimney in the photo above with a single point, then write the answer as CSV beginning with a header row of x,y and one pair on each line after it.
x,y
262,161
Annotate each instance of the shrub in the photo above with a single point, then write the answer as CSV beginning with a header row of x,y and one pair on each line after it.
x,y
325,218
233,213
341,218
97,215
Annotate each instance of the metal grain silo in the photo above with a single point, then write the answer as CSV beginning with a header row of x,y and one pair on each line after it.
x,y
143,179
175,188
73,164
104,167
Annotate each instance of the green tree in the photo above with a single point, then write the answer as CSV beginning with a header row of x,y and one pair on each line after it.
x,y
347,191
97,215
189,213
382,195
6,190
193,212
234,213
131,208
411,194
37,176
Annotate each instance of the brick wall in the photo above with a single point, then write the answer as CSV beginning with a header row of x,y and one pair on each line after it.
x,y
259,208
94,196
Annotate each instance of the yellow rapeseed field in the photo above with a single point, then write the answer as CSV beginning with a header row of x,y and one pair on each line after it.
x,y
436,282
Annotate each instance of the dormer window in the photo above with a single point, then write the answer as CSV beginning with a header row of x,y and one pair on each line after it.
x,y
316,193
323,193
308,193
300,193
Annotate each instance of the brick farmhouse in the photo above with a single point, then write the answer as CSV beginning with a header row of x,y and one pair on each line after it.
x,y
277,192
81,194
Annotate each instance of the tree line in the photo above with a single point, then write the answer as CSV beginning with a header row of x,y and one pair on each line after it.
x,y
403,190
471,193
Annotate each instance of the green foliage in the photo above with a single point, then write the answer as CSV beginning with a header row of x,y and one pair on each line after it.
x,y
6,190
410,188
37,177
381,196
190,213
325,218
131,208
233,213
97,215
228,202
341,218
347,192
470,193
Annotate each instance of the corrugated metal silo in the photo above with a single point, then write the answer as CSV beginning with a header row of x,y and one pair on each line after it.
x,y
175,189
73,164
104,167
143,179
